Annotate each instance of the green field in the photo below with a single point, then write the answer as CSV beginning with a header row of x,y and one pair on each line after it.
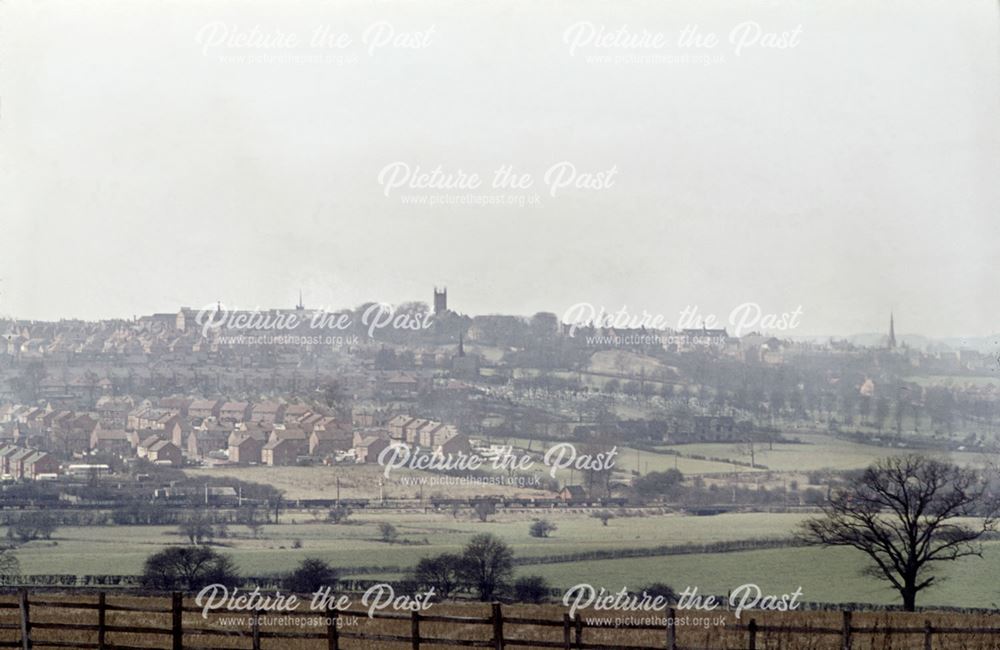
x,y
355,481
122,549
816,452
630,459
825,575
813,452
830,575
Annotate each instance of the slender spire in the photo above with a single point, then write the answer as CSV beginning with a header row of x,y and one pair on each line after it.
x,y
892,333
300,306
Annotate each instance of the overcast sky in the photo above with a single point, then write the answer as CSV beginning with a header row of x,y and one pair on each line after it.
x,y
838,157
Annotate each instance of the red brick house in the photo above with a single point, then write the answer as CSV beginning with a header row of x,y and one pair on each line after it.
x,y
111,441
280,451
164,452
204,408
38,463
204,440
268,412
244,448
368,447
235,412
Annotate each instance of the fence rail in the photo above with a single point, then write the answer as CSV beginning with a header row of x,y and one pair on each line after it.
x,y
178,635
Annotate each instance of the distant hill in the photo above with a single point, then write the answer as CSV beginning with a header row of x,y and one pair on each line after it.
x,y
984,344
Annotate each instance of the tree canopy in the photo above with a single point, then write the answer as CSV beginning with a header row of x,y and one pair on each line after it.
x,y
906,514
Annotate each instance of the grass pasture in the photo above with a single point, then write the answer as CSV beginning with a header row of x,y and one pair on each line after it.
x,y
817,452
357,482
92,550
825,575
630,459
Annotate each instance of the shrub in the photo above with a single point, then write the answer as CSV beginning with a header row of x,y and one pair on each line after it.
x,y
487,566
387,532
197,528
531,589
338,515
9,564
541,528
604,516
311,575
32,525
188,568
655,589
441,572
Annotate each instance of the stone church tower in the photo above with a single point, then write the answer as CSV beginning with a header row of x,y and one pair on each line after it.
x,y
440,300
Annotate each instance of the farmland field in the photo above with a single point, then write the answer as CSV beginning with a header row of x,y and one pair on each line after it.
x,y
812,452
630,459
825,575
816,452
122,549
362,481
356,481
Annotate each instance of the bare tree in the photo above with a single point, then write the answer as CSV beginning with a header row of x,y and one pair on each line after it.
x,y
10,566
249,518
598,480
604,516
310,576
484,509
338,514
746,447
487,566
197,527
440,572
541,528
904,514
388,533
188,568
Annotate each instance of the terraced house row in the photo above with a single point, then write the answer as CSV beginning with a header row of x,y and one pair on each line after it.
x,y
23,463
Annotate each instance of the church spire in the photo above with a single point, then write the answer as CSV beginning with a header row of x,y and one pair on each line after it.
x,y
892,333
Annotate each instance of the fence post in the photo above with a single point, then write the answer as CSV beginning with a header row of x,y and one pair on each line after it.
x,y
255,630
928,631
578,624
332,632
752,629
671,629
177,609
847,630
415,629
566,641
497,626
25,620
102,613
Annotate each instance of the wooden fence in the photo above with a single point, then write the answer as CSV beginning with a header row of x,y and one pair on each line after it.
x,y
179,636
847,631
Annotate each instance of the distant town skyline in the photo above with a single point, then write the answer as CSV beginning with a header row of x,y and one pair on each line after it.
x,y
687,318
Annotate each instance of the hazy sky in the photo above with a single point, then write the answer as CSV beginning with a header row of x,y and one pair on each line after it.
x,y
148,163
